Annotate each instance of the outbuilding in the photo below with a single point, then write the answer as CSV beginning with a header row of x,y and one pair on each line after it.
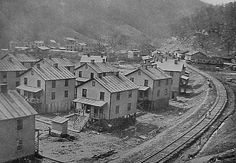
x,y
60,125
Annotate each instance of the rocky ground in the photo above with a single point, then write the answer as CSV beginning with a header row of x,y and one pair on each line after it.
x,y
89,143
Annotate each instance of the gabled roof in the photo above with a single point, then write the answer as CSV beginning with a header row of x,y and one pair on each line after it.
x,y
11,64
49,72
100,67
152,72
12,105
115,83
194,52
25,58
170,65
60,61
87,58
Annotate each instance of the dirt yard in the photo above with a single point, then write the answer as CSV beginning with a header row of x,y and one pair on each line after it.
x,y
89,143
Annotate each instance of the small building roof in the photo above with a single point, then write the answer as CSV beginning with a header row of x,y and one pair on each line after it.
x,y
193,52
152,72
170,65
49,72
184,77
80,79
100,67
59,119
143,88
146,57
29,89
89,58
60,61
12,105
90,102
25,58
11,64
43,47
115,83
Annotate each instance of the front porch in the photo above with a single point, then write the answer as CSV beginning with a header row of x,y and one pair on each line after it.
x,y
95,108
143,101
32,95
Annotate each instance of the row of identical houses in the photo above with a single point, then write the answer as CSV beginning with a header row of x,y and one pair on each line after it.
x,y
55,85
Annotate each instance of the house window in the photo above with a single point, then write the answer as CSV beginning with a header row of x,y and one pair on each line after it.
x,y
139,72
66,83
80,73
158,93
102,95
66,94
19,145
53,95
68,68
104,74
32,72
132,79
118,96
92,75
93,83
25,81
146,83
166,91
84,93
159,83
17,73
17,83
130,94
53,84
167,82
39,83
129,107
171,74
19,124
117,109
4,75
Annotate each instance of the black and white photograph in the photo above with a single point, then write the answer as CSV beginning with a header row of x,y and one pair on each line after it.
x,y
117,81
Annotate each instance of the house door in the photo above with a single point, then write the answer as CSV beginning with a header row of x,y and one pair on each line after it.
x,y
88,109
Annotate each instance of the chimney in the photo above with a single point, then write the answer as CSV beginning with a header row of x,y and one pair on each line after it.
x,y
55,65
88,55
166,58
50,57
102,55
92,61
176,61
103,60
178,58
38,65
3,88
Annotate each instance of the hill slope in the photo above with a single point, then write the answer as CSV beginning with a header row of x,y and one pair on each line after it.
x,y
134,20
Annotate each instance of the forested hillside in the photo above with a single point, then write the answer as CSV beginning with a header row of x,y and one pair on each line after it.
x,y
123,21
212,28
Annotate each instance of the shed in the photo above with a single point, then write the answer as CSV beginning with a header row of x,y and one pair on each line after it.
x,y
60,125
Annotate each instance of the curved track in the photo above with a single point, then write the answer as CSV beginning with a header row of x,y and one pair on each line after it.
x,y
201,126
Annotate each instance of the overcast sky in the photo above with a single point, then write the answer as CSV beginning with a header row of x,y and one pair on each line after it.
x,y
218,1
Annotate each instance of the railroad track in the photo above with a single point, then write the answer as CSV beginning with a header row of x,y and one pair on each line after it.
x,y
182,140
